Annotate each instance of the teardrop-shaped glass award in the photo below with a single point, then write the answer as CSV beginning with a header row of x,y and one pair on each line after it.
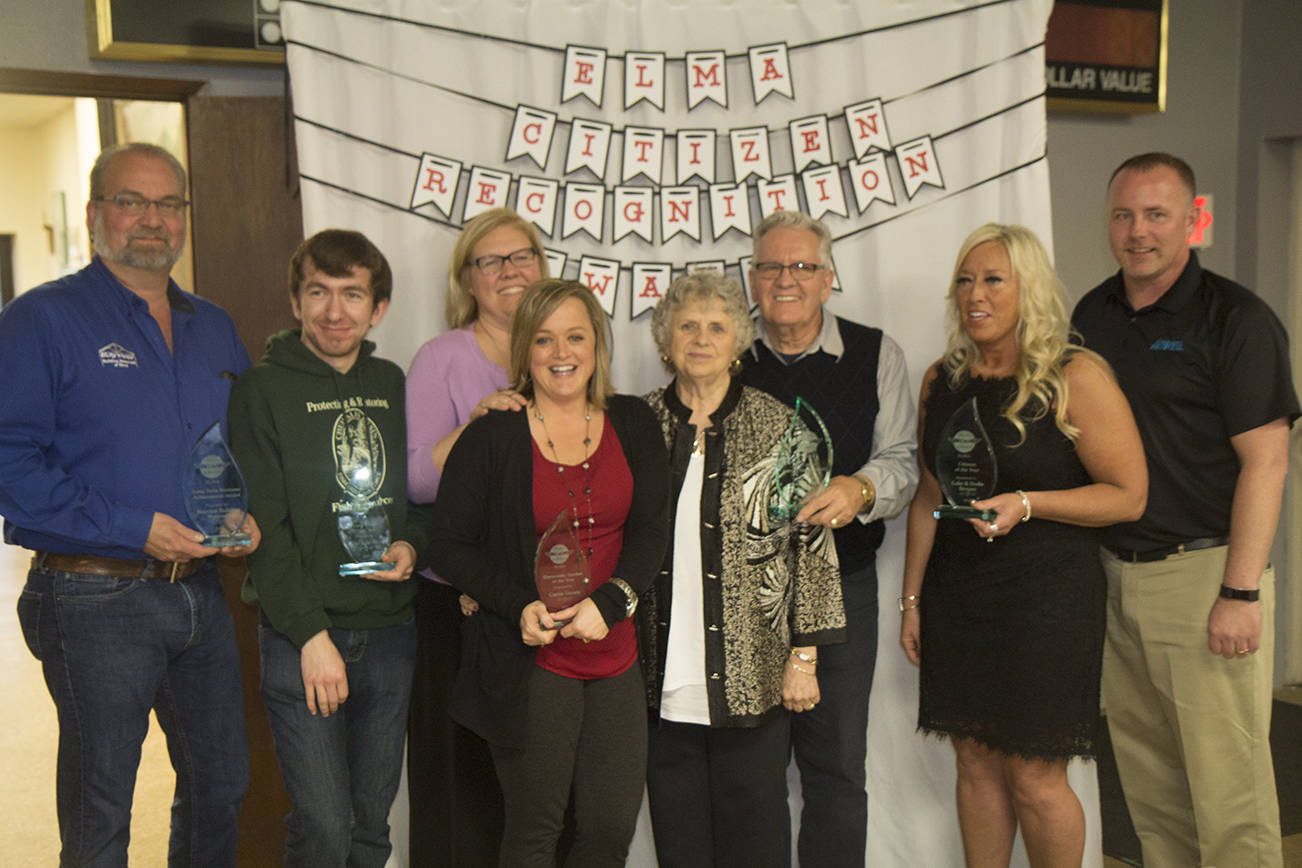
x,y
965,465
804,463
364,533
560,568
212,487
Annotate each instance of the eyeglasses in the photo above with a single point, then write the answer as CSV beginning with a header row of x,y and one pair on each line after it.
x,y
134,205
801,272
519,258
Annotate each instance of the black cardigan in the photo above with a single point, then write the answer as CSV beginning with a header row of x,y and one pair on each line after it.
x,y
483,542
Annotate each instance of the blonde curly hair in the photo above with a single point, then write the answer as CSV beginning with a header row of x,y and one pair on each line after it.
x,y
1044,332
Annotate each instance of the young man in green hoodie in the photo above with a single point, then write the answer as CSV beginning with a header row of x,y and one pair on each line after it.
x,y
318,428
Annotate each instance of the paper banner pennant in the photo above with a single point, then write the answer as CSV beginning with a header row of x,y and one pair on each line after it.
x,y
680,211
918,165
488,189
602,277
707,78
555,261
836,279
770,71
585,74
535,201
584,207
871,181
744,265
644,78
531,135
436,181
777,195
633,212
750,153
588,148
866,124
650,283
695,155
823,192
810,142
643,153
714,266
729,209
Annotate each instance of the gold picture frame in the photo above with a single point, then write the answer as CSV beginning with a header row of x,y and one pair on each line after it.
x,y
167,45
1107,56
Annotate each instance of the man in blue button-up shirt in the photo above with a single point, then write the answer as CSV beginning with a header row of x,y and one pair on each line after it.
x,y
113,374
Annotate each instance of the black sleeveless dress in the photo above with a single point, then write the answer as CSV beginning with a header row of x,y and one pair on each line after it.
x,y
1012,631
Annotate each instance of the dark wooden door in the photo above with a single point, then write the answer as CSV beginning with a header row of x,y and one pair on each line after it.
x,y
247,221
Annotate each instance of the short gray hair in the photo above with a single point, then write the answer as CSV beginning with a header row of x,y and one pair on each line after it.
x,y
704,286
146,149
795,220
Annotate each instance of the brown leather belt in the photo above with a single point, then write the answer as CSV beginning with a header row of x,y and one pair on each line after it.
x,y
127,569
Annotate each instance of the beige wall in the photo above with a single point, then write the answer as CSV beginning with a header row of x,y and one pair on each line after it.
x,y
37,161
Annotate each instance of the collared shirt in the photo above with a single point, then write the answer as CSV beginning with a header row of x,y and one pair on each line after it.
x,y
892,467
1206,361
97,417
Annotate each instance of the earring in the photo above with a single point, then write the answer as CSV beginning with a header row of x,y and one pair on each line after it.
x,y
735,367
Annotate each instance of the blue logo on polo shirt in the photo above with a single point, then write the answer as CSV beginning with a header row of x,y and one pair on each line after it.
x,y
1164,344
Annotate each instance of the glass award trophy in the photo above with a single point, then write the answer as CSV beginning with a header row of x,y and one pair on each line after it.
x,y
804,463
364,532
212,487
965,465
560,568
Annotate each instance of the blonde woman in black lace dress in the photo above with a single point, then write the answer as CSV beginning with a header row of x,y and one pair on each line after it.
x,y
1006,617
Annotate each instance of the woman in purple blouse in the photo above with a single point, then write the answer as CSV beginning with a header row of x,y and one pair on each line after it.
x,y
456,804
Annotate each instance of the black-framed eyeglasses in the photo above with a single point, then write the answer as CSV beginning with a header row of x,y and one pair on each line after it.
x,y
801,272
494,263
133,204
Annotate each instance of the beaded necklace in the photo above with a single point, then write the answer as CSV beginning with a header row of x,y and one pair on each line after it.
x,y
565,480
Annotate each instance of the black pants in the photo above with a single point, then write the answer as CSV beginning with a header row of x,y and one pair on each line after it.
x,y
589,735
456,803
719,794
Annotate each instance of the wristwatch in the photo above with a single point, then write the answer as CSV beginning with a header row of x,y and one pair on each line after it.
x,y
1244,594
631,606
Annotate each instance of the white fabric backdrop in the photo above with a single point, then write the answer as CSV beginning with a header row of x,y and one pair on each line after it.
x,y
378,83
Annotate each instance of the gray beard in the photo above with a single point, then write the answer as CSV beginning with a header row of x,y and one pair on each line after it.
x,y
157,260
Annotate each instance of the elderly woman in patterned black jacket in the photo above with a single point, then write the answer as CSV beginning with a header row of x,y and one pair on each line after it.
x,y
730,630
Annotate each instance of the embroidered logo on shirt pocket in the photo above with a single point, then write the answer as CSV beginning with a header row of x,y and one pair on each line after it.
x,y
115,355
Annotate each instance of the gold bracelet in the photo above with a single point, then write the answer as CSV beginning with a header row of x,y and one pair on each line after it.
x,y
866,490
812,661
915,599
802,671
1026,505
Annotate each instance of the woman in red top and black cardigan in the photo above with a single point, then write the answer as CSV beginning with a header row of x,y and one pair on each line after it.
x,y
559,705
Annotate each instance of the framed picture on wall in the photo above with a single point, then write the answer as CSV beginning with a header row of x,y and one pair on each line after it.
x,y
165,31
1106,56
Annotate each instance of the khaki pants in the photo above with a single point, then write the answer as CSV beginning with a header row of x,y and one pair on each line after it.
x,y
1190,729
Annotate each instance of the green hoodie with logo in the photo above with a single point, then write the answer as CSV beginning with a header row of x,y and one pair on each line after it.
x,y
313,444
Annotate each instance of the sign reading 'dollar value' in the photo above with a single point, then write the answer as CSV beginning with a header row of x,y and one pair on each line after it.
x,y
1106,55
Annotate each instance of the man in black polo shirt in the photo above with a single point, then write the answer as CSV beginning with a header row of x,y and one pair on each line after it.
x,y
1188,666
855,377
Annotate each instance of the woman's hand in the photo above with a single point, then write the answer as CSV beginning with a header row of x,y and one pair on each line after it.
x,y
535,625
799,689
585,621
468,605
502,399
911,635
1009,510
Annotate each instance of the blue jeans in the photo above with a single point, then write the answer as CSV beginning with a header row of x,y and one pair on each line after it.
x,y
831,741
341,771
112,649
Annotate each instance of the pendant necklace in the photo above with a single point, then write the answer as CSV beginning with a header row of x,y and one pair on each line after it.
x,y
566,482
